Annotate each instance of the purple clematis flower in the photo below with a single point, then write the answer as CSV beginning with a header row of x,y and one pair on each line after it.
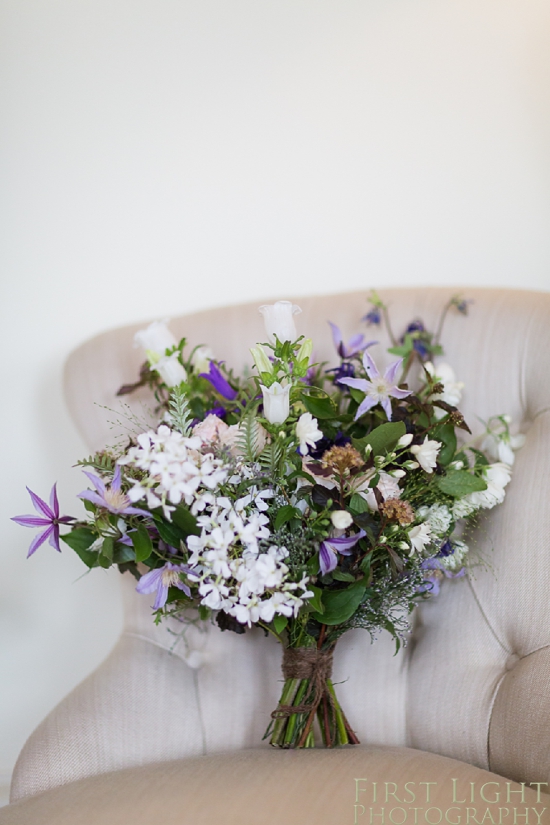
x,y
49,518
379,389
434,572
111,498
355,346
219,383
329,549
161,579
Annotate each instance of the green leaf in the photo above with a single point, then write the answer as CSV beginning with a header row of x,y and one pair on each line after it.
x,y
79,540
446,434
108,547
319,407
142,543
279,623
185,521
123,554
340,576
357,395
382,439
285,514
316,603
358,504
340,605
460,483
168,532
89,506
312,566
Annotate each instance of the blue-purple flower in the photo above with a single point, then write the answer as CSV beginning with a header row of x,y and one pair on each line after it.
x,y
111,498
49,519
329,549
373,316
220,384
379,389
161,579
355,345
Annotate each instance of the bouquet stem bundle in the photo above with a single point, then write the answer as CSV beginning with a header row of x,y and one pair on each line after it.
x,y
308,692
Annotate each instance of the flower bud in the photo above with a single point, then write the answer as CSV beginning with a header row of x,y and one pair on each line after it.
x,y
306,348
405,440
156,338
263,364
170,370
279,321
200,360
341,519
398,473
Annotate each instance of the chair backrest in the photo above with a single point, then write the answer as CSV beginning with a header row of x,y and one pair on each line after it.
x,y
474,681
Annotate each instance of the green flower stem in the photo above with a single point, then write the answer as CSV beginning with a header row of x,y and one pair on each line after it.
x,y
287,698
342,734
292,720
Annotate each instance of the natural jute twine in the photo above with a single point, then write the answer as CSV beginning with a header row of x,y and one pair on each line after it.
x,y
306,663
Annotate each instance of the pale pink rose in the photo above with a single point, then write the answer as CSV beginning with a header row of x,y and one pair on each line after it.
x,y
211,429
387,485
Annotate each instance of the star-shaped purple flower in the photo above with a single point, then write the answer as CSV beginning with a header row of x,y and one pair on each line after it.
x,y
49,518
161,579
329,549
111,498
356,343
379,389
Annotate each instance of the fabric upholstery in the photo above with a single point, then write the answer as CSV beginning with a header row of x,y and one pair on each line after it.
x,y
264,787
474,682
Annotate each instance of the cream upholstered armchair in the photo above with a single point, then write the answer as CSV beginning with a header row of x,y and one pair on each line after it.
x,y
169,726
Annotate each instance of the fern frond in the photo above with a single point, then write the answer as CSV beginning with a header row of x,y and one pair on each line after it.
x,y
271,456
248,436
179,411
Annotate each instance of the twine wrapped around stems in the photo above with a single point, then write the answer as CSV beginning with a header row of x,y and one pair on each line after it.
x,y
306,663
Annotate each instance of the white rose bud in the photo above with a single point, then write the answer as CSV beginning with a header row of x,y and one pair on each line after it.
x,y
276,402
170,370
341,519
279,321
405,440
156,338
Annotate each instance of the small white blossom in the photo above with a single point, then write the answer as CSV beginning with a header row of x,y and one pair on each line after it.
x,y
170,370
426,453
155,339
279,320
419,537
405,440
452,389
200,359
307,432
455,560
498,443
438,516
496,476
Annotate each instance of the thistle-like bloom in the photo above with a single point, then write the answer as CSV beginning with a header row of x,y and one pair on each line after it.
x,y
378,389
220,384
356,343
111,498
161,579
49,518
276,402
279,320
329,549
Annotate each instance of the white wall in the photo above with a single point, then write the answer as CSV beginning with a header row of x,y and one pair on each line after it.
x,y
161,156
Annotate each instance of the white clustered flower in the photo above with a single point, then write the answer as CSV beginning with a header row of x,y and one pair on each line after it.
x,y
455,561
498,443
307,432
232,572
497,477
419,537
438,516
426,453
176,470
452,389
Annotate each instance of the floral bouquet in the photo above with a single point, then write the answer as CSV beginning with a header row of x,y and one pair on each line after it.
x,y
302,500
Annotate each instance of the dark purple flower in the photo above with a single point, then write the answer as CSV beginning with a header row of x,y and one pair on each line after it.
x,y
446,548
161,579
462,304
220,384
325,444
49,518
356,343
415,326
373,316
329,549
345,370
111,498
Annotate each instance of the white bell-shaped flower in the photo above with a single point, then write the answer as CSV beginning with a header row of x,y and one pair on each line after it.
x,y
276,402
279,320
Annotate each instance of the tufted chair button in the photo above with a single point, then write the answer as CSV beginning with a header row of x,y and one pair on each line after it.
x,y
512,661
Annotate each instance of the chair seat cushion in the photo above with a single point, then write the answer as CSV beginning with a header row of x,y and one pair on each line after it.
x,y
359,786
